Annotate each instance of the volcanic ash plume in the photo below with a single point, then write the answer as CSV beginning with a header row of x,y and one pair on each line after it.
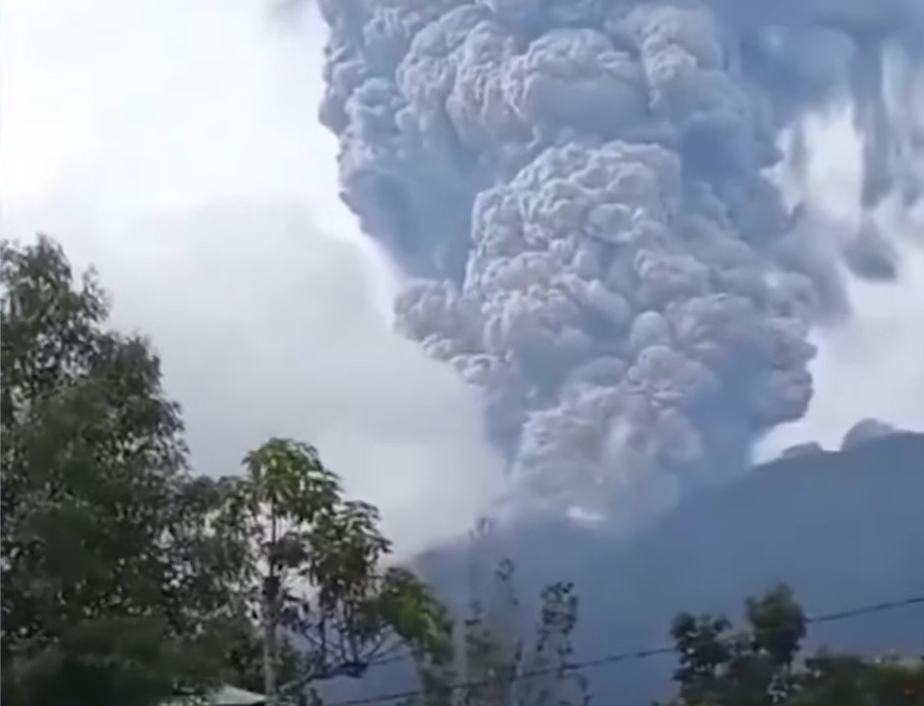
x,y
580,189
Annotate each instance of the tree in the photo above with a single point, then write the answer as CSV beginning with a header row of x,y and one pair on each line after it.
x,y
319,562
113,582
761,665
494,665
242,651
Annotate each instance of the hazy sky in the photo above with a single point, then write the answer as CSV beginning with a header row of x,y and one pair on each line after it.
x,y
174,144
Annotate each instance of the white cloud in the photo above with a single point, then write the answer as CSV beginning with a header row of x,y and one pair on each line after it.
x,y
174,144
872,363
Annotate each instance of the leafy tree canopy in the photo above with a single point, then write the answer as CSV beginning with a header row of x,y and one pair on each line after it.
x,y
106,554
320,563
763,664
124,573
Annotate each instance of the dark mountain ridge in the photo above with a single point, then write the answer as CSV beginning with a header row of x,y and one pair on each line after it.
x,y
845,529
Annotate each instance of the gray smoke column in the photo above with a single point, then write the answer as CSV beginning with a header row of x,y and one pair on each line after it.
x,y
580,190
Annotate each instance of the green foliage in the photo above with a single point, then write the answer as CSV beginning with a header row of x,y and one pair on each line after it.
x,y
112,581
124,576
243,659
319,560
761,665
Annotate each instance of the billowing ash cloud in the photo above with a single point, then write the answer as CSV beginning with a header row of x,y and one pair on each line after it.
x,y
581,189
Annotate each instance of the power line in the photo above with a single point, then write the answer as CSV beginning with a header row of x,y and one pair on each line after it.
x,y
632,656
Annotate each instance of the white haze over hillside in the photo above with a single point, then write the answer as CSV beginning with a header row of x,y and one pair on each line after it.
x,y
174,143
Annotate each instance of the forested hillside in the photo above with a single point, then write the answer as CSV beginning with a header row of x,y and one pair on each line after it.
x,y
844,529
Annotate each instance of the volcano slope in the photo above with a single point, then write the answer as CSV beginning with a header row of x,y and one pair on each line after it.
x,y
844,529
